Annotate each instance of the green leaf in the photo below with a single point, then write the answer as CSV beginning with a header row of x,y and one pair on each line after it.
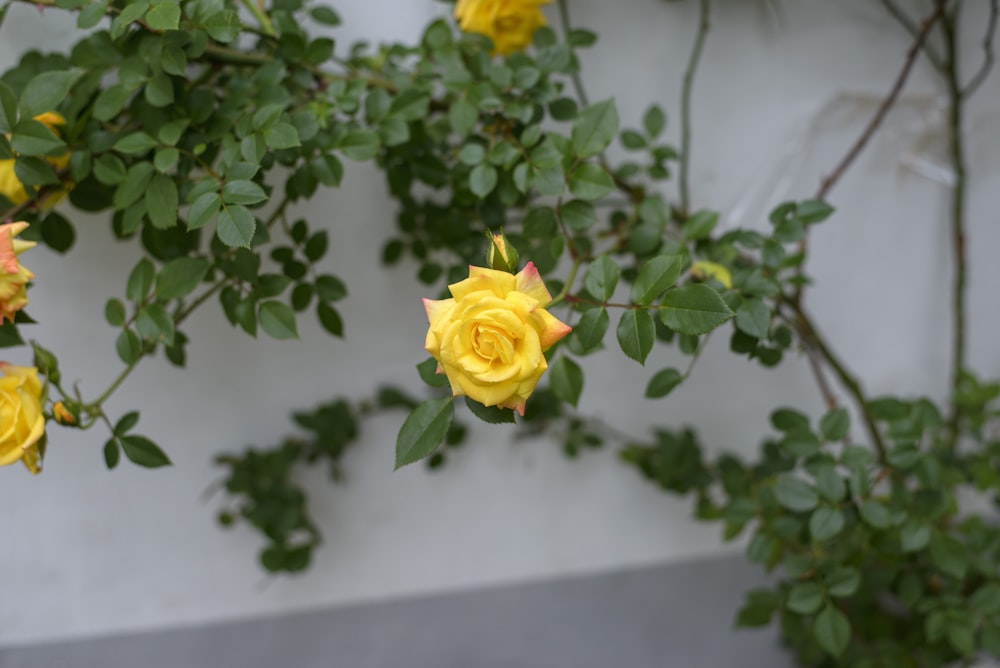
x,y
112,455
58,233
143,452
825,523
236,226
813,211
830,484
140,281
463,117
832,630
663,383
8,108
875,514
700,225
129,345
281,136
804,598
490,414
636,333
329,319
578,215
694,309
243,192
594,128
842,581
159,91
46,92
34,172
278,320
653,121
325,16
223,26
566,380
835,424
164,15
135,143
330,288
180,276
203,209
602,277
655,277
914,535
590,182
33,138
795,494
423,430
428,373
161,202
986,600
949,555
360,145
590,331
114,312
482,180
753,317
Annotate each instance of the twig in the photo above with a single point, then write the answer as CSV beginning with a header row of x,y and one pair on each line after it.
x,y
911,57
958,195
812,338
911,27
689,74
980,76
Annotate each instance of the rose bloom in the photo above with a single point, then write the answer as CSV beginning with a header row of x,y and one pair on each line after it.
x,y
489,339
21,421
13,275
12,188
509,23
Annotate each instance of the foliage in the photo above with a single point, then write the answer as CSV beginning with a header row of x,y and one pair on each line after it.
x,y
193,124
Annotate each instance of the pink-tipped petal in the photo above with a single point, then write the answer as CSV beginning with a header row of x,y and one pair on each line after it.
x,y
434,307
530,282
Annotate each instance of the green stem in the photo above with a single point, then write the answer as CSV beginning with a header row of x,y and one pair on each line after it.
x,y
912,27
567,286
262,18
581,92
686,90
958,197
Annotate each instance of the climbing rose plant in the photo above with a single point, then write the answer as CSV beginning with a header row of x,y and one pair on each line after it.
x,y
194,125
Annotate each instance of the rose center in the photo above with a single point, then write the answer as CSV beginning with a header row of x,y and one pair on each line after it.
x,y
507,23
492,344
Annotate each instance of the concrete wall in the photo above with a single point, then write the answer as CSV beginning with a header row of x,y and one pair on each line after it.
x,y
780,98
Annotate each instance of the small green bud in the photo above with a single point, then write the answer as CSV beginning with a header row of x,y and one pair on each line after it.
x,y
501,255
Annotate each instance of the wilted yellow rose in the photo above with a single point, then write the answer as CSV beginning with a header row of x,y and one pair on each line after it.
x,y
21,421
12,188
509,23
489,339
14,276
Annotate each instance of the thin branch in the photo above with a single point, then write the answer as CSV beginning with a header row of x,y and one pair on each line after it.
x,y
958,197
984,70
581,92
897,87
689,75
913,28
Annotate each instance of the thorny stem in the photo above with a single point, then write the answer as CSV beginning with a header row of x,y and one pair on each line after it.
x,y
958,194
913,28
570,278
980,76
686,89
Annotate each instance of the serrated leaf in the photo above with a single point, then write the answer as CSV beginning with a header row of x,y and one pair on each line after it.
x,y
636,333
804,598
753,317
590,182
655,277
832,630
424,430
243,192
842,581
835,424
663,383
161,202
490,414
594,128
278,320
180,276
143,452
825,523
164,15
590,331
46,91
236,226
203,210
578,215
795,494
428,373
482,180
949,555
694,309
602,277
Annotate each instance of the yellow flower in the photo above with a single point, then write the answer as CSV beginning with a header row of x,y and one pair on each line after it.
x,y
14,276
704,270
489,339
12,188
22,424
509,23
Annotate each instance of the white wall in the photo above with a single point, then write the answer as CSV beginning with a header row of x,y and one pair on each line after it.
x,y
86,551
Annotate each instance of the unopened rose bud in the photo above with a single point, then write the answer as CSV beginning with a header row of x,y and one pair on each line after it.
x,y
501,255
64,414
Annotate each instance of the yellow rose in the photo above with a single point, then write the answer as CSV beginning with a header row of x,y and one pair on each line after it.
x,y
12,188
13,275
509,23
489,339
21,421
